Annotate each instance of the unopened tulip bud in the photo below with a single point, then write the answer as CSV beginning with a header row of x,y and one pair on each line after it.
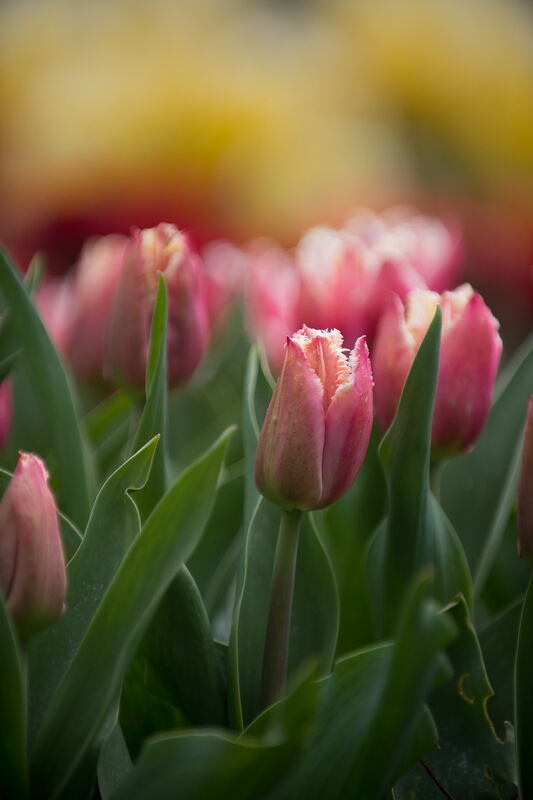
x,y
33,577
525,490
469,356
318,423
150,251
95,286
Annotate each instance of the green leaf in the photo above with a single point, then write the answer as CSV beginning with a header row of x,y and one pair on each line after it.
x,y
113,525
214,764
154,416
114,763
180,647
478,488
523,697
415,535
49,382
347,527
371,722
498,644
13,757
470,761
108,427
92,681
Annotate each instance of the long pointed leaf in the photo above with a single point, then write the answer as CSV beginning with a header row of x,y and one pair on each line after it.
x,y
56,400
93,679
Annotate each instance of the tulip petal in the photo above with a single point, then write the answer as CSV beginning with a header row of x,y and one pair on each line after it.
x,y
470,353
348,427
392,356
289,453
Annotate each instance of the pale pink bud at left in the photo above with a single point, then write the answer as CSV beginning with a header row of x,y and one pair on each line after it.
x,y
317,426
470,352
525,490
33,576
150,251
94,289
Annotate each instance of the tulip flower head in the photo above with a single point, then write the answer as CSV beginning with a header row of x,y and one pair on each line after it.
x,y
317,426
162,249
95,286
525,490
33,577
469,356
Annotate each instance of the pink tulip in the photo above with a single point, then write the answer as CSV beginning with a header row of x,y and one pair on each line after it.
x,y
55,302
432,247
345,280
162,249
525,490
317,426
32,565
224,269
95,286
469,357
271,291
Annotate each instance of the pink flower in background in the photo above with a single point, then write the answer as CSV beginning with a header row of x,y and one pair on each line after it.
x,y
432,247
271,295
54,300
469,357
345,280
224,272
317,426
33,576
150,251
94,288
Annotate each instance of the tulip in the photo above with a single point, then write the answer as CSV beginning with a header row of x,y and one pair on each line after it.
x,y
318,423
345,280
95,286
469,356
525,490
33,577
432,247
271,291
54,300
162,249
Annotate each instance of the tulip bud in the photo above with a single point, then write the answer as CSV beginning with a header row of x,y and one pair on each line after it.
x,y
525,490
32,565
469,356
95,287
318,423
150,251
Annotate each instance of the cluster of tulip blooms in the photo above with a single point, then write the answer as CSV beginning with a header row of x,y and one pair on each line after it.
x,y
159,636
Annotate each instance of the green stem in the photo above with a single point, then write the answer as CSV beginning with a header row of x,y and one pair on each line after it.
x,y
276,653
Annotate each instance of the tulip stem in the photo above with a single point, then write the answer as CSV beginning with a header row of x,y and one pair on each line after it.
x,y
276,652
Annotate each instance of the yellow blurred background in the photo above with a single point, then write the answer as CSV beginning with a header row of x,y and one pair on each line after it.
x,y
240,118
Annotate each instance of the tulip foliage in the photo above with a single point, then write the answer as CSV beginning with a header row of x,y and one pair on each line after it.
x,y
379,646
